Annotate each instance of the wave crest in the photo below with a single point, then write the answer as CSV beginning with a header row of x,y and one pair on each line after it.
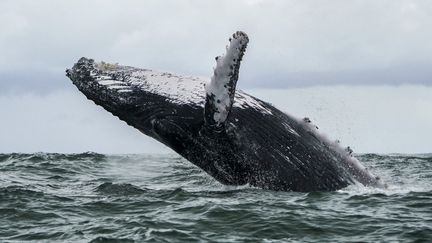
x,y
119,189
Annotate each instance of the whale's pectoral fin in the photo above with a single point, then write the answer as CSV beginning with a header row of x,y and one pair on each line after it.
x,y
221,89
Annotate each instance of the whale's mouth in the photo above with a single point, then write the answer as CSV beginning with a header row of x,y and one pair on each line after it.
x,y
128,83
107,85
129,93
102,81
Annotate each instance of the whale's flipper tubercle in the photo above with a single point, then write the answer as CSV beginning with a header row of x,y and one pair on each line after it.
x,y
221,88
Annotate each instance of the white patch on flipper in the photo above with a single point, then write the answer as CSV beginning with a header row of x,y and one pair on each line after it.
x,y
223,72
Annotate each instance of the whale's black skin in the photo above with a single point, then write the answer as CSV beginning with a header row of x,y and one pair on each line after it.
x,y
256,144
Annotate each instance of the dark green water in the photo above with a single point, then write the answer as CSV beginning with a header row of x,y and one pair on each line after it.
x,y
125,198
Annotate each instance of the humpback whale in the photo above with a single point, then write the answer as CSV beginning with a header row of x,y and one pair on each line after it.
x,y
234,137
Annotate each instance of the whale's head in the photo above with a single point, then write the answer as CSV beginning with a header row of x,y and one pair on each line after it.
x,y
147,100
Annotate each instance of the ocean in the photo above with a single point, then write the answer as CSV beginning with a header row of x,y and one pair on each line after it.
x,y
92,197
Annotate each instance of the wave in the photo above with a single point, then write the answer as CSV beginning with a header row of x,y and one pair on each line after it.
x,y
372,156
119,189
109,240
15,192
111,198
38,157
95,155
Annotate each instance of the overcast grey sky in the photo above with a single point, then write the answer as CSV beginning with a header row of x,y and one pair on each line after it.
x,y
360,68
293,43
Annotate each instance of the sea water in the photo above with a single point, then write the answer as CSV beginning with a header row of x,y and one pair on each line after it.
x,y
93,197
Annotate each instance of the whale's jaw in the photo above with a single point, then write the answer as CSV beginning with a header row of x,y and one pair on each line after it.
x,y
98,83
109,86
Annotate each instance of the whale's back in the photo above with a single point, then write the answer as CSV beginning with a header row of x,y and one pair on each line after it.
x,y
283,151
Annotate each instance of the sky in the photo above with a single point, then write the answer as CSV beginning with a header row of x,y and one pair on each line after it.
x,y
361,69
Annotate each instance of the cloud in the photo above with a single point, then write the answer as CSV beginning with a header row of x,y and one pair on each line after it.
x,y
289,39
